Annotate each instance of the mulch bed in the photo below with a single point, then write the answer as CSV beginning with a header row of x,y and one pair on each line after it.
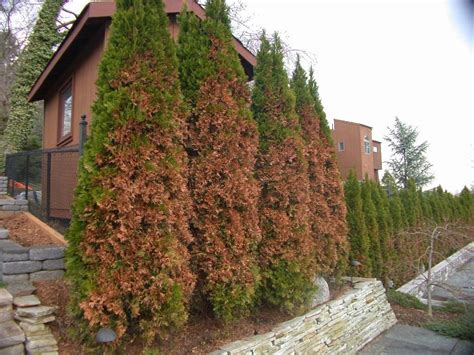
x,y
26,232
201,335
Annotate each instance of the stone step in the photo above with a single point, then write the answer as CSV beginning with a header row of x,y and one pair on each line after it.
x,y
26,301
38,320
35,312
23,288
10,334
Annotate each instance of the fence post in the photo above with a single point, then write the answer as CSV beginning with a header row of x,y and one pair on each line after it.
x,y
82,133
48,185
27,173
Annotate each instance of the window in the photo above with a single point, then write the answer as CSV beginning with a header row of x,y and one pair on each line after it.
x,y
366,145
375,149
65,112
341,146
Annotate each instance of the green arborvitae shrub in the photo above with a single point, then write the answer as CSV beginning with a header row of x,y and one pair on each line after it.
x,y
384,226
314,90
357,235
370,217
411,204
24,116
286,248
128,258
466,202
426,212
222,146
327,208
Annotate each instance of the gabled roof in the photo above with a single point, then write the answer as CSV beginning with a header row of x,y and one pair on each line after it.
x,y
95,16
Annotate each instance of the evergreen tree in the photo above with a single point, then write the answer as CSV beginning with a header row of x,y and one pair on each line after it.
x,y
328,225
409,158
466,202
411,204
128,257
427,213
370,217
314,90
24,116
223,144
282,169
384,223
357,234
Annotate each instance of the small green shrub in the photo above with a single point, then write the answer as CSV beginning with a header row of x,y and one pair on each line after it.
x,y
453,307
461,328
404,300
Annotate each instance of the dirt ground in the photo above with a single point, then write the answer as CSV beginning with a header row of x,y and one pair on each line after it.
x,y
201,335
418,317
26,232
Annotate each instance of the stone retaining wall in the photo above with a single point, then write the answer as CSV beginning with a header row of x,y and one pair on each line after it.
x,y
19,263
12,205
440,272
3,185
341,326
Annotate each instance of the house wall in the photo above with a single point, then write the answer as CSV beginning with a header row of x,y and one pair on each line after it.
x,y
83,73
367,160
350,158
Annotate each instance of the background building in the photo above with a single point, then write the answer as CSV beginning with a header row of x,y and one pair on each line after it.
x,y
356,150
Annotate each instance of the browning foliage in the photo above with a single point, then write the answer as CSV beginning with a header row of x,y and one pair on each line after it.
x,y
127,256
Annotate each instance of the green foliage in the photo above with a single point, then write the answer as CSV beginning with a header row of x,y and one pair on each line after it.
x,y
405,300
223,143
412,204
23,115
453,307
358,236
282,170
314,90
373,230
127,257
461,328
408,159
466,203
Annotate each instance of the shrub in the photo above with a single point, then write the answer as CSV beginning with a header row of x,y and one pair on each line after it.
x,y
286,245
223,143
127,256
327,209
405,300
461,328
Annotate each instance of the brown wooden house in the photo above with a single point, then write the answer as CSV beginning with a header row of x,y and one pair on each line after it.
x,y
67,86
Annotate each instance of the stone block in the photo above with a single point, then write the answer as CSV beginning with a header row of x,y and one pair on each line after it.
x,y
46,253
32,328
6,298
21,267
8,244
11,334
15,254
11,208
8,279
3,233
35,312
18,349
40,320
21,202
47,275
54,264
7,201
23,288
26,301
322,292
5,316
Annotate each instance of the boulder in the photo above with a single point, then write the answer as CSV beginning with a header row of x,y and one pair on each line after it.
x,y
322,294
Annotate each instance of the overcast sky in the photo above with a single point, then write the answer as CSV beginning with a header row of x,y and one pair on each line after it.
x,y
379,59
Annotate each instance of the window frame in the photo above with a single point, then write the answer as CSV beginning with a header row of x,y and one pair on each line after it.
x,y
64,139
366,143
341,144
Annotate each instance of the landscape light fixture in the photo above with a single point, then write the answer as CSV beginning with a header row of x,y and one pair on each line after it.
x,y
354,264
105,335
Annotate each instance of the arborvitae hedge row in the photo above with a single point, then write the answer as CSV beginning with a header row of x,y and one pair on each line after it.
x,y
223,143
128,242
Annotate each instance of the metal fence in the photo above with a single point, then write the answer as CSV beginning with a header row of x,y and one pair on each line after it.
x,y
46,178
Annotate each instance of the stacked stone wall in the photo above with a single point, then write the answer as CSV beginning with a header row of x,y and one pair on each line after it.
x,y
3,185
341,326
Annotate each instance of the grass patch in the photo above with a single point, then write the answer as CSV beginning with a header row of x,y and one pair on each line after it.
x,y
461,328
404,300
453,307
2,284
